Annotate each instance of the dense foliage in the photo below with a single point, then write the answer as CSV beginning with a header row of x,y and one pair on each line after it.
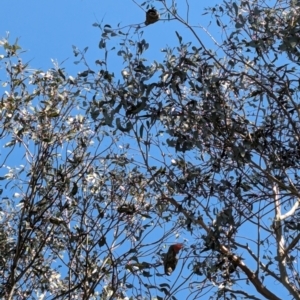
x,y
100,175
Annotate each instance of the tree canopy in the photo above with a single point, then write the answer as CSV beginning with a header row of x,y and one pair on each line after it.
x,y
101,173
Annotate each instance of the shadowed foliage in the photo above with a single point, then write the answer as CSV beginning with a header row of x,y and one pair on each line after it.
x,y
101,174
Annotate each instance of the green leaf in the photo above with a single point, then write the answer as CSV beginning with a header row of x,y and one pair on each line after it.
x,y
102,44
123,129
179,37
141,130
107,29
236,9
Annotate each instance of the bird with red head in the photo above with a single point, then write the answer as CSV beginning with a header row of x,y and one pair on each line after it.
x,y
171,259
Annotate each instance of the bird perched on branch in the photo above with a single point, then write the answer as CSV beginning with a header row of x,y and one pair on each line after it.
x,y
152,16
171,259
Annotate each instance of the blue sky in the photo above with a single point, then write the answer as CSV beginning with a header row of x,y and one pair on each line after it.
x,y
48,29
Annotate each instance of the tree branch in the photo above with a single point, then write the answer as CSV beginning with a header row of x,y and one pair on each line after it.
x,y
250,275
281,251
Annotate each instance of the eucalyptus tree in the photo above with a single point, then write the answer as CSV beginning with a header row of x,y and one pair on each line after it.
x,y
201,148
